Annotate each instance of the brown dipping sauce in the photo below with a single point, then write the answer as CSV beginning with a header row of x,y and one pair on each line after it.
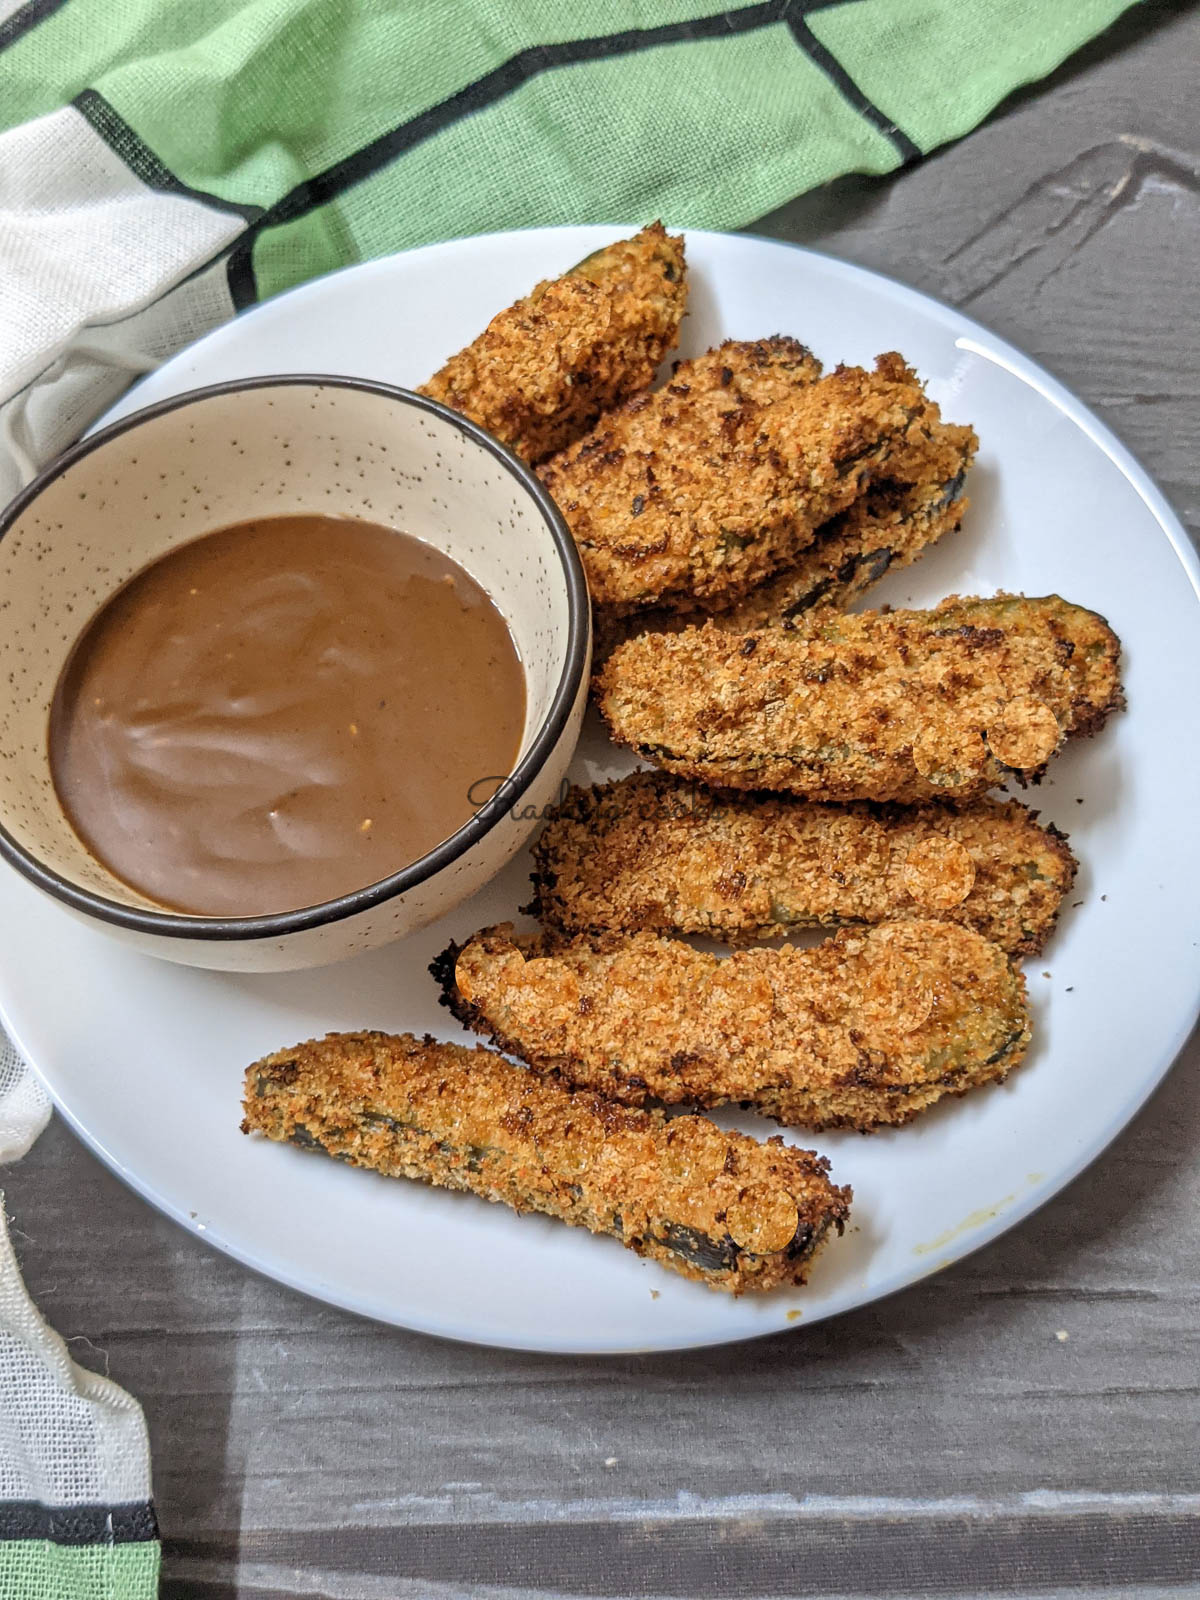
x,y
283,712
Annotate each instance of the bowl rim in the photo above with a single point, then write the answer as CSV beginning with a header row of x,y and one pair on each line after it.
x,y
178,924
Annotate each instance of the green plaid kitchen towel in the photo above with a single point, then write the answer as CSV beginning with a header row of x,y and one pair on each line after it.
x,y
167,162
164,163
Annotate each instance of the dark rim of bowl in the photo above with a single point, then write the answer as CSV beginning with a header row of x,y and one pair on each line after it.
x,y
174,924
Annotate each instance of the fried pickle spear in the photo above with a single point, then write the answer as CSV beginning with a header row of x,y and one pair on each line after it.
x,y
656,854
865,1029
707,401
721,1208
886,528
541,372
674,503
883,705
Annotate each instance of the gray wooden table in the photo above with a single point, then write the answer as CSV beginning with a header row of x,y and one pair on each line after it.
x,y
1027,1423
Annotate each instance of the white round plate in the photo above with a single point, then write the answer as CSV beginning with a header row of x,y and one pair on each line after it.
x,y
145,1060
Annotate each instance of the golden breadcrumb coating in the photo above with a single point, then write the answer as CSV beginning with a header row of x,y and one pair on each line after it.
x,y
883,705
656,854
865,1029
709,392
707,399
673,503
727,1210
886,528
1088,649
541,372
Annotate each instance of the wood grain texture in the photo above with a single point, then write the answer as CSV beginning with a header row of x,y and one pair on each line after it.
x,y
949,1441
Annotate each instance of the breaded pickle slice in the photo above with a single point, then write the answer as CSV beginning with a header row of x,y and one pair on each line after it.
x,y
542,371
709,402
883,705
653,853
673,504
886,528
707,397
727,1210
868,1028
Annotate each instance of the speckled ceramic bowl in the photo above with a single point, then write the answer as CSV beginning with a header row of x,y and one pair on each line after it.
x,y
272,446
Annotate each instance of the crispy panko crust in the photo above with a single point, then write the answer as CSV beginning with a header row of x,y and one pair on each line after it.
x,y
865,1029
675,500
883,705
656,854
886,528
727,1210
705,392
541,372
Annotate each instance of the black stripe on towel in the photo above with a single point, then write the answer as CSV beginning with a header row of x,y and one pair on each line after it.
x,y
518,70
141,160
26,17
132,1523
833,69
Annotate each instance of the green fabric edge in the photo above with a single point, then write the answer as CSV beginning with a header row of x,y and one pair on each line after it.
x,y
36,1569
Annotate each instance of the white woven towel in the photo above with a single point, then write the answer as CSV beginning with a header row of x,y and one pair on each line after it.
x,y
76,1438
74,1466
100,280
24,1104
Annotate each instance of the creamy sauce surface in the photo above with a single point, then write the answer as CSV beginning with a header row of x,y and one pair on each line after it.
x,y
282,712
